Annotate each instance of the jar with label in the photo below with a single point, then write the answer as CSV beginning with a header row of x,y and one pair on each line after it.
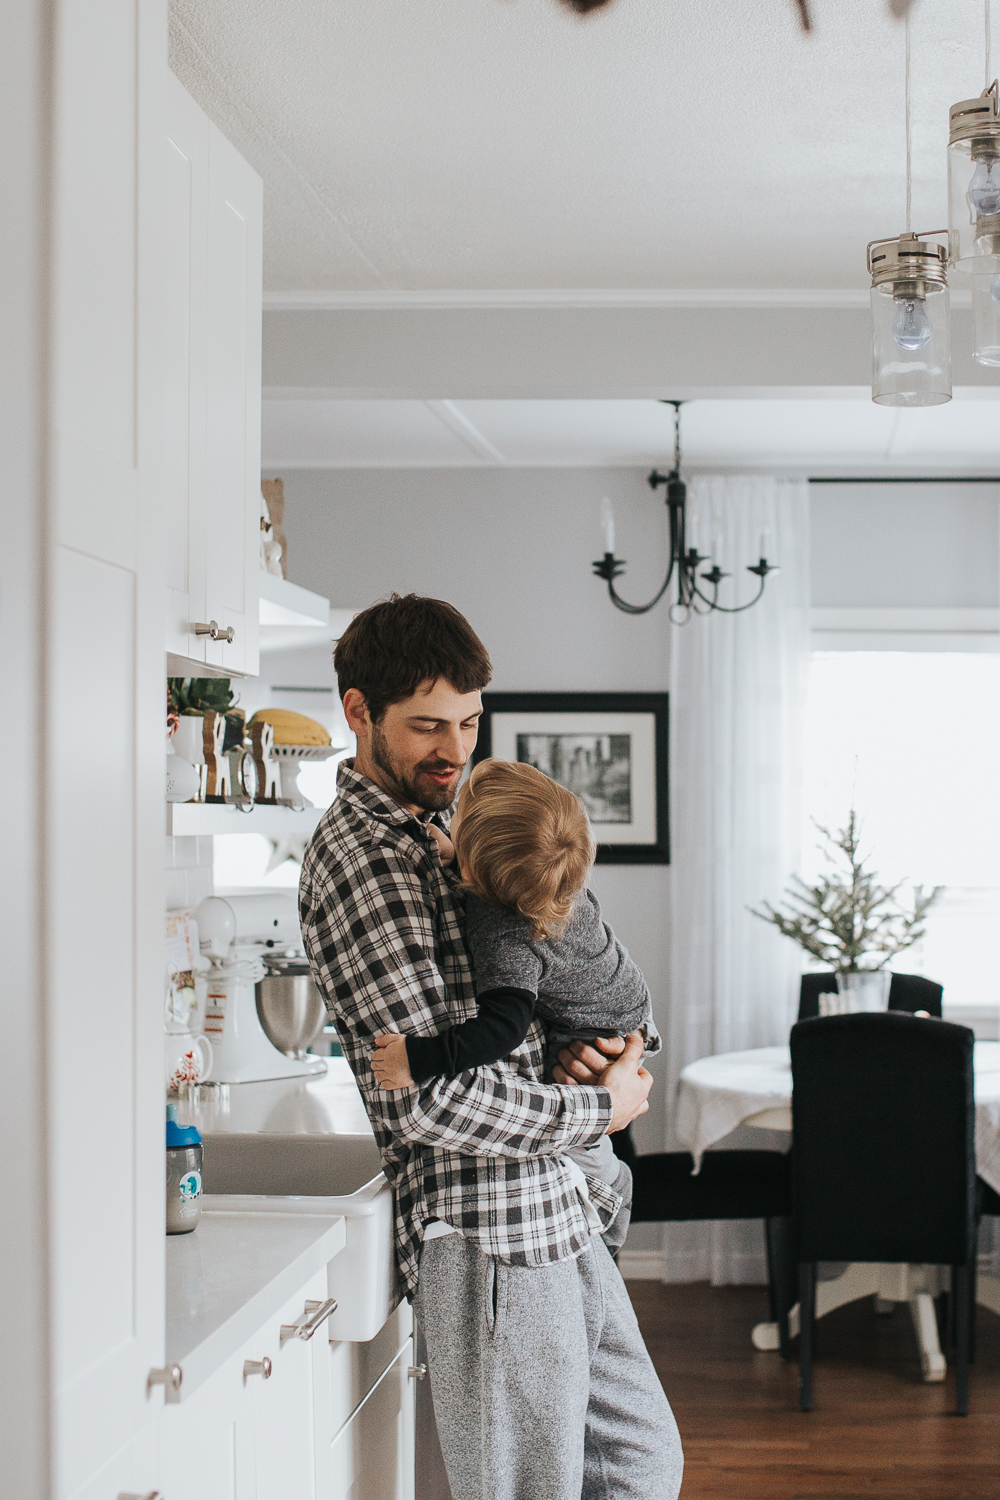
x,y
184,1159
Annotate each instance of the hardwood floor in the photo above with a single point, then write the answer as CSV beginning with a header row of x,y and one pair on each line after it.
x,y
876,1432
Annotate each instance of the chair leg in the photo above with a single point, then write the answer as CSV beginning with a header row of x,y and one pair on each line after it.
x,y
781,1273
961,1282
807,1331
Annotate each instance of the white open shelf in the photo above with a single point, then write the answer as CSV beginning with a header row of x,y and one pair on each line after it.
x,y
284,603
187,818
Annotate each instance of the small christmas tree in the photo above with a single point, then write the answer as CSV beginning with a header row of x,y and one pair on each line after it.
x,y
848,919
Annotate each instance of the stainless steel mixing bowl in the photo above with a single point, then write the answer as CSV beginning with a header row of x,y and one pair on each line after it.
x,y
290,1007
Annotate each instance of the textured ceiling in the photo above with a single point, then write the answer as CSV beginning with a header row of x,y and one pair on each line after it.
x,y
466,144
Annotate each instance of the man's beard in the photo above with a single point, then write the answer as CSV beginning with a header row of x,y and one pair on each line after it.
x,y
409,786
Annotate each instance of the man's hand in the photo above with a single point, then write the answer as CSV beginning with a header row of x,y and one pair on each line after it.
x,y
390,1063
625,1078
580,1063
628,1083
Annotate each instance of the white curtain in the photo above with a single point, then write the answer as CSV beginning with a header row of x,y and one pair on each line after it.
x,y
737,686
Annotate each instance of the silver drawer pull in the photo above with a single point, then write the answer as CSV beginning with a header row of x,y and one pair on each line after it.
x,y
215,631
261,1367
149,1495
416,1372
170,1377
314,1317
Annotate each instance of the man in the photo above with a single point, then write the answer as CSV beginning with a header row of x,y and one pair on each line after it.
x,y
543,1389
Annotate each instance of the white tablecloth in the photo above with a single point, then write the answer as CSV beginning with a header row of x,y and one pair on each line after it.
x,y
716,1094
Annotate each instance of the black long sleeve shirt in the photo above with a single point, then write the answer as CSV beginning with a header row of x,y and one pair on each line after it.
x,y
499,1027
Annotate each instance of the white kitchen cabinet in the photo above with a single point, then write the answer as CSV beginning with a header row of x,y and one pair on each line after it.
x,y
373,1408
245,1437
207,1446
291,1424
100,794
372,1456
212,305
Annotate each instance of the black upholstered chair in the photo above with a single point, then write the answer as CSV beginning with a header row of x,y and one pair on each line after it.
x,y
883,1166
911,992
730,1185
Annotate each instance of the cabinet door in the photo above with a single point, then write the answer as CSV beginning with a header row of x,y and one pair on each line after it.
x,y
212,342
101,871
134,1470
207,1441
232,458
286,1407
185,275
373,1456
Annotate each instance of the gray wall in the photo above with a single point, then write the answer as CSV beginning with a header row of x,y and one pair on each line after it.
x,y
905,545
511,549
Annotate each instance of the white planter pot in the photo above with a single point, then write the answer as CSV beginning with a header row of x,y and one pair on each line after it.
x,y
187,739
866,991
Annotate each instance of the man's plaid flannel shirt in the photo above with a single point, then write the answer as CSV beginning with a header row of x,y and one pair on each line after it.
x,y
383,926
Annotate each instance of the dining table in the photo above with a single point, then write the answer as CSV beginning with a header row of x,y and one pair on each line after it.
x,y
717,1095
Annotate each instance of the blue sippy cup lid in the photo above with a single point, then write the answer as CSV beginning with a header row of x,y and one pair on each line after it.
x,y
180,1135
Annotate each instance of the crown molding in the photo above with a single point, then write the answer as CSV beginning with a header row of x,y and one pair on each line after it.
x,y
384,299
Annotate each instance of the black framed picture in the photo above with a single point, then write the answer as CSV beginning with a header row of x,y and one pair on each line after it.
x,y
611,749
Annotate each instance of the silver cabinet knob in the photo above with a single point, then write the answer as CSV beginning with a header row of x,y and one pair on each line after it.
x,y
261,1367
215,631
416,1372
170,1377
314,1317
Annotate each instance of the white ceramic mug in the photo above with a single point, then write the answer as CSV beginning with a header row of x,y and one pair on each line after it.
x,y
188,1059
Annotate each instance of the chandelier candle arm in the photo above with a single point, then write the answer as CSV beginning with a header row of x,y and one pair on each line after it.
x,y
608,526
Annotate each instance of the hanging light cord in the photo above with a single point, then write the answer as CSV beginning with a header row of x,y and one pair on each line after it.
x,y
986,18
906,111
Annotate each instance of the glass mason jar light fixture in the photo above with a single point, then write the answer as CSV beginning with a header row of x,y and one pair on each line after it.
x,y
911,332
974,213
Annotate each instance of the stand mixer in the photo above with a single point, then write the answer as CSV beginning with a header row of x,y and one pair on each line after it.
x,y
262,1010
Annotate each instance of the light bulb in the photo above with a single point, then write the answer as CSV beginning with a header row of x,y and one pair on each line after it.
x,y
984,189
911,327
995,288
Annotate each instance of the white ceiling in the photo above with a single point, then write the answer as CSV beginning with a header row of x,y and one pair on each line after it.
x,y
504,144
821,436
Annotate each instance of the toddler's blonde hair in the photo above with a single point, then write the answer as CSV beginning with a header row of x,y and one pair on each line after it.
x,y
523,841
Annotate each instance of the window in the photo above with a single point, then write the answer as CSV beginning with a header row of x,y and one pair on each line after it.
x,y
912,739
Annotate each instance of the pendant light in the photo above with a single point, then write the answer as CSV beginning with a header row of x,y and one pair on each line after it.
x,y
911,316
974,207
911,326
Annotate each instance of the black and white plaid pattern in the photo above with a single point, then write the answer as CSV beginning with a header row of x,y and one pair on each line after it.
x,y
383,927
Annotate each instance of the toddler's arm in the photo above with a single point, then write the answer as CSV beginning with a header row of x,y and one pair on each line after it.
x,y
499,1027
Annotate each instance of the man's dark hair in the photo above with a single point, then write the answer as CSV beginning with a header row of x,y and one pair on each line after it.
x,y
388,650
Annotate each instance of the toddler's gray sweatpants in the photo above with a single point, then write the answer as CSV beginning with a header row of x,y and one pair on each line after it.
x,y
542,1386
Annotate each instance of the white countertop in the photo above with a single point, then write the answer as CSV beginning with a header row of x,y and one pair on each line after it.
x,y
327,1105
233,1272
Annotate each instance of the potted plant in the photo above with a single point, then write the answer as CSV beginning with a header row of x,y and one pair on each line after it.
x,y
849,920
190,698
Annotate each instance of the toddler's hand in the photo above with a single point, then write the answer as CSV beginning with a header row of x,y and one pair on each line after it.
x,y
445,844
389,1062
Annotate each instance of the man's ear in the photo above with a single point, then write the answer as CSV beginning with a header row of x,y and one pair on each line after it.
x,y
356,713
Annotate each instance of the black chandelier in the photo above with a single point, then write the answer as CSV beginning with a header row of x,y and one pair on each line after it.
x,y
691,598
